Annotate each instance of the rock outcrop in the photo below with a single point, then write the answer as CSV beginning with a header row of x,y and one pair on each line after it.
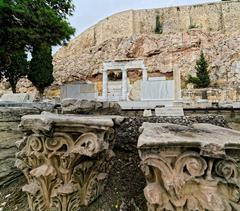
x,y
162,53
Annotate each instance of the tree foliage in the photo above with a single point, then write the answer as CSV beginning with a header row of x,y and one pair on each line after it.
x,y
202,79
11,34
41,68
28,23
17,69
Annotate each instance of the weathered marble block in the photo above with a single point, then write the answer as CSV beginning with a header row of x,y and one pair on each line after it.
x,y
190,168
169,111
65,159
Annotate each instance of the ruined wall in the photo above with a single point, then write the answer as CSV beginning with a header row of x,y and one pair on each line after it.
x,y
10,118
9,133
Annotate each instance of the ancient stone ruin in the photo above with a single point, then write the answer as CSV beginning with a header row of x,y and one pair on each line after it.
x,y
127,131
65,159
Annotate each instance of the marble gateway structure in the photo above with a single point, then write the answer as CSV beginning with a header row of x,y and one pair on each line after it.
x,y
127,80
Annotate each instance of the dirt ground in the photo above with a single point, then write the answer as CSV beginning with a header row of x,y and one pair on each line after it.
x,y
12,197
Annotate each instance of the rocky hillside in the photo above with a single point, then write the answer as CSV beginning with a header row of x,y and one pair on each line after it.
x,y
130,34
162,53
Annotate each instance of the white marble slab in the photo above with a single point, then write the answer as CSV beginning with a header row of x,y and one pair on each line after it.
x,y
79,91
157,90
17,97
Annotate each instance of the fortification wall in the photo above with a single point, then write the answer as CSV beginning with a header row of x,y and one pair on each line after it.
x,y
223,16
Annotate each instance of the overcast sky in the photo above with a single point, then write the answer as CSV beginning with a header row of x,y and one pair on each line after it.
x,y
89,12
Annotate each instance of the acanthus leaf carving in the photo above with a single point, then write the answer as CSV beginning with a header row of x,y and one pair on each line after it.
x,y
188,168
87,144
54,165
227,169
31,188
183,182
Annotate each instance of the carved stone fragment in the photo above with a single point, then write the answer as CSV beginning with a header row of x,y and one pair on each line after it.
x,y
190,168
65,159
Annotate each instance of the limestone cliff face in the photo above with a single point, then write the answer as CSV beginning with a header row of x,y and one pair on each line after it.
x,y
213,28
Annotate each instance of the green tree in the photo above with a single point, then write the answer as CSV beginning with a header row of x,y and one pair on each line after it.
x,y
11,35
41,68
28,23
46,21
17,69
202,79
158,28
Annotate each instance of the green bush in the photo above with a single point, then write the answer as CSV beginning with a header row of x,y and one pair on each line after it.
x,y
202,79
158,29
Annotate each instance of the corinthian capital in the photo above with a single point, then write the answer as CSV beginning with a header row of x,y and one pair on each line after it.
x,y
65,159
190,168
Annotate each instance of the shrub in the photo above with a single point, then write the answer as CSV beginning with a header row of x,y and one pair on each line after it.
x,y
202,79
158,29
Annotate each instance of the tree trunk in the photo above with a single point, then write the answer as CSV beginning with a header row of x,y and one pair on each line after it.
x,y
40,93
13,87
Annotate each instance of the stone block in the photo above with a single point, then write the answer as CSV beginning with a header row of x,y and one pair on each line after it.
x,y
70,91
169,111
87,88
225,105
157,78
68,102
147,113
236,104
79,91
17,97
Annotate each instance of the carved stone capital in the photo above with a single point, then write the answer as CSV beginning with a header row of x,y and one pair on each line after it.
x,y
65,159
190,168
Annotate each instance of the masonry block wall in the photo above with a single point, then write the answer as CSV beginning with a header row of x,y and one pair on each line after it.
x,y
219,17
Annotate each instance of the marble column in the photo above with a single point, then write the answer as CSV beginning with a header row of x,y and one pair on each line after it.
x,y
177,81
144,74
105,85
124,84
